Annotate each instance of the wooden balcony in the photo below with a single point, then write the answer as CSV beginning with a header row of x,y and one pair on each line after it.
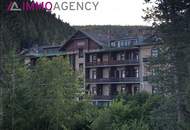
x,y
113,62
113,80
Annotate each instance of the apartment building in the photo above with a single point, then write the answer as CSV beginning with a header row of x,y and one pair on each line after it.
x,y
109,66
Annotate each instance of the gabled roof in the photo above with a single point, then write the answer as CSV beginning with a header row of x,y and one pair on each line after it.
x,y
101,39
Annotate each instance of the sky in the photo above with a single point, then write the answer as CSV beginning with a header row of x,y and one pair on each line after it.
x,y
108,12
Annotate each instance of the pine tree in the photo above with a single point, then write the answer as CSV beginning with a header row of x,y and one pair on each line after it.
x,y
171,18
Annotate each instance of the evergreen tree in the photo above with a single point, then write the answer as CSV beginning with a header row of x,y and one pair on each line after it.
x,y
22,29
40,98
171,67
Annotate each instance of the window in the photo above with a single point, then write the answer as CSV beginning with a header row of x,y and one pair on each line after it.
x,y
94,91
94,74
154,89
133,41
137,72
126,43
81,43
122,73
122,56
136,89
81,67
81,53
123,88
105,58
122,44
93,58
112,44
116,44
72,60
153,72
136,55
154,52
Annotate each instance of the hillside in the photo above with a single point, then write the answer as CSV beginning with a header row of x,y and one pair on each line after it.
x,y
24,29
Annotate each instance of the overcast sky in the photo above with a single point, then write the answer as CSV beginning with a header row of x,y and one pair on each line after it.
x,y
114,12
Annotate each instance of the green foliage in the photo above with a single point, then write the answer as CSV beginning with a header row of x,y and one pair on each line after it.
x,y
133,113
22,29
171,79
83,113
45,98
42,98
12,83
164,116
135,125
55,88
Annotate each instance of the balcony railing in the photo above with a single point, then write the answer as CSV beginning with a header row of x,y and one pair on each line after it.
x,y
115,80
113,62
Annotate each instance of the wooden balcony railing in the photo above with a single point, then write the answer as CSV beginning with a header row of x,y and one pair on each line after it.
x,y
127,80
113,62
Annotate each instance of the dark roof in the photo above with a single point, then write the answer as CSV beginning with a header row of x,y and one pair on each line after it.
x,y
103,39
118,32
100,38
38,51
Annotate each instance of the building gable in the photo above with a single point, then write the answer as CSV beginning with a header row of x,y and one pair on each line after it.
x,y
80,40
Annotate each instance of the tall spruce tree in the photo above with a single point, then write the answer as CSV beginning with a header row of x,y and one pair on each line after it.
x,y
171,18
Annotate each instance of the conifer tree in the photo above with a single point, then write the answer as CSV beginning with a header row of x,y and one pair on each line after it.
x,y
171,19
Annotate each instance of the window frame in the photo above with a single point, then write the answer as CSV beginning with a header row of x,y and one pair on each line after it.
x,y
81,53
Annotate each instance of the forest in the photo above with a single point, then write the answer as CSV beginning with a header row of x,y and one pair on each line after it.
x,y
46,96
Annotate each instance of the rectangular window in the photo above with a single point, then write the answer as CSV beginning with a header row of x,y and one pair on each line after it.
x,y
94,91
72,60
81,53
136,55
112,44
93,58
133,41
81,43
123,89
122,44
122,73
154,52
116,44
153,72
122,56
105,58
126,43
94,74
137,72
81,67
